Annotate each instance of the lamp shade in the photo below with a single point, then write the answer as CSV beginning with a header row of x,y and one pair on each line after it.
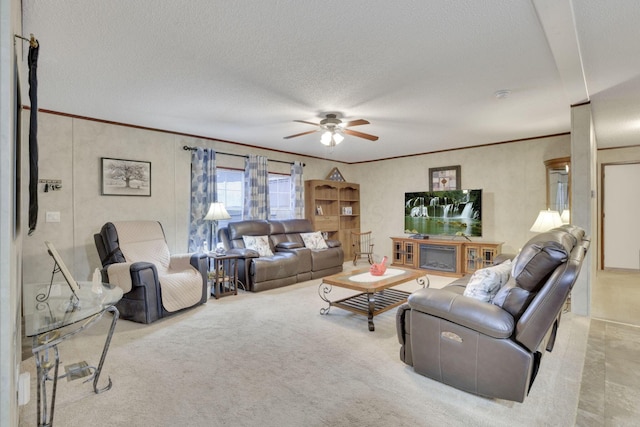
x,y
216,212
565,216
546,221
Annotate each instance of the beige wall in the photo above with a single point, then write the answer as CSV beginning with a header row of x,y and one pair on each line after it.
x,y
11,233
70,150
512,176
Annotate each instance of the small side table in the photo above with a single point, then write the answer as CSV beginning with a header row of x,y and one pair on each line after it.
x,y
223,274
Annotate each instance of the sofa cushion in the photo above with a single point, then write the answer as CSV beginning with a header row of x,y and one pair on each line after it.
x,y
279,266
512,298
486,282
259,244
314,240
254,227
540,257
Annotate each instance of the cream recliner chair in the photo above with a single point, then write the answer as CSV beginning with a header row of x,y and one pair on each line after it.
x,y
135,257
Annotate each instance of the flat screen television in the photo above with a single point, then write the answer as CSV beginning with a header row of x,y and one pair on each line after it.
x,y
443,213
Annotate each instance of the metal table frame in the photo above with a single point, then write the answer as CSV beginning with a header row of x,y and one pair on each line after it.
x,y
49,328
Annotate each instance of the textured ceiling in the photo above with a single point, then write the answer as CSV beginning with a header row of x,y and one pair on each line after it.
x,y
424,73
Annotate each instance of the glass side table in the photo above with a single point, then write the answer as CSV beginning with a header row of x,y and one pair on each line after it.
x,y
52,315
223,274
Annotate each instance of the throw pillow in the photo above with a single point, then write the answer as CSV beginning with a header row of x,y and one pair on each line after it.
x,y
259,244
485,283
314,240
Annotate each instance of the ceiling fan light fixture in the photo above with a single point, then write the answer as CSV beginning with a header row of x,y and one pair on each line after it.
x,y
325,139
332,130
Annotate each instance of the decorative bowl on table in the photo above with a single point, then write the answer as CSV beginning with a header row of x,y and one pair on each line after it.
x,y
378,269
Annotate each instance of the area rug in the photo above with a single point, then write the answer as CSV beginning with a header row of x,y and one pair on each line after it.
x,y
271,359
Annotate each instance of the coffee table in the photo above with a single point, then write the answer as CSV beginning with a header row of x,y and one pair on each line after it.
x,y
376,294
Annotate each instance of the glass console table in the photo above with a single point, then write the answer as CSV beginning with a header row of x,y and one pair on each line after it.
x,y
52,315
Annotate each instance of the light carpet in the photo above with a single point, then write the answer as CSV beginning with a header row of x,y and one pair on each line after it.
x,y
271,359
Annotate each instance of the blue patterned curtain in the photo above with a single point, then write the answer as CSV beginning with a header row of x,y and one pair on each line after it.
x,y
203,193
256,188
297,190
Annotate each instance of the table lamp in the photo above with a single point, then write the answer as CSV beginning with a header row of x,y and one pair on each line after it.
x,y
216,212
546,220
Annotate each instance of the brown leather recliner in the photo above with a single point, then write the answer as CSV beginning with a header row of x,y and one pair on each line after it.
x,y
494,349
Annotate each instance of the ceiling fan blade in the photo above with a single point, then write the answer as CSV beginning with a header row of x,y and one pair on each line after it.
x,y
309,123
356,123
300,134
360,134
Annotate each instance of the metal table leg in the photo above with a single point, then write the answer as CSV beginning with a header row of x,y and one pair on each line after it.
x,y
96,375
44,365
371,298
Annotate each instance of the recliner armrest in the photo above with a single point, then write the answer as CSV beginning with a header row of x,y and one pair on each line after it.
x,y
126,275
334,243
289,245
244,253
480,316
182,261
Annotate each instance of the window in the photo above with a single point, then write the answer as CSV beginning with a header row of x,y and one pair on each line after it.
x,y
230,191
280,196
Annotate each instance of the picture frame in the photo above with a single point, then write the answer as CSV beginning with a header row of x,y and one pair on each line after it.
x,y
122,177
444,178
347,210
62,268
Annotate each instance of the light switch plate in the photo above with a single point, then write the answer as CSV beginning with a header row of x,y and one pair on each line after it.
x,y
52,216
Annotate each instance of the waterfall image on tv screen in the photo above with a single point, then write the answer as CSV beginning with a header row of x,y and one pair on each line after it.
x,y
453,212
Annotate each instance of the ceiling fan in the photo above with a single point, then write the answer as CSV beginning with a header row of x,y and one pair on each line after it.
x,y
333,128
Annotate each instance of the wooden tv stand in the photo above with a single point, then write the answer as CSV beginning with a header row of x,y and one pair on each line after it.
x,y
444,257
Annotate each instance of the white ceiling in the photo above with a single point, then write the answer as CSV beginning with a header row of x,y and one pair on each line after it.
x,y
424,73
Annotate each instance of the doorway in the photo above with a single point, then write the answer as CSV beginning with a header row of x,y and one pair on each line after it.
x,y
620,207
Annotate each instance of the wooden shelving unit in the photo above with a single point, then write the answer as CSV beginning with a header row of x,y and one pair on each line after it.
x,y
333,207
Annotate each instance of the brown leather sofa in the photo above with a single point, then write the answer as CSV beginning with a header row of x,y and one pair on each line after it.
x,y
291,261
494,349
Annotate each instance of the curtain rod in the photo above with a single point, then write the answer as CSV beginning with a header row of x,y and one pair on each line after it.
x,y
187,148
32,41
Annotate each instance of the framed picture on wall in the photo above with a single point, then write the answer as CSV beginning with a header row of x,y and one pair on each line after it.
x,y
446,178
125,177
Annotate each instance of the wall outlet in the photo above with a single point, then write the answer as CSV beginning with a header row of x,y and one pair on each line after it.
x,y
52,216
24,388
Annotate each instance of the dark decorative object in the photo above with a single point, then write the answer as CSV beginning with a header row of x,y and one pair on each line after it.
x,y
34,49
125,177
446,178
